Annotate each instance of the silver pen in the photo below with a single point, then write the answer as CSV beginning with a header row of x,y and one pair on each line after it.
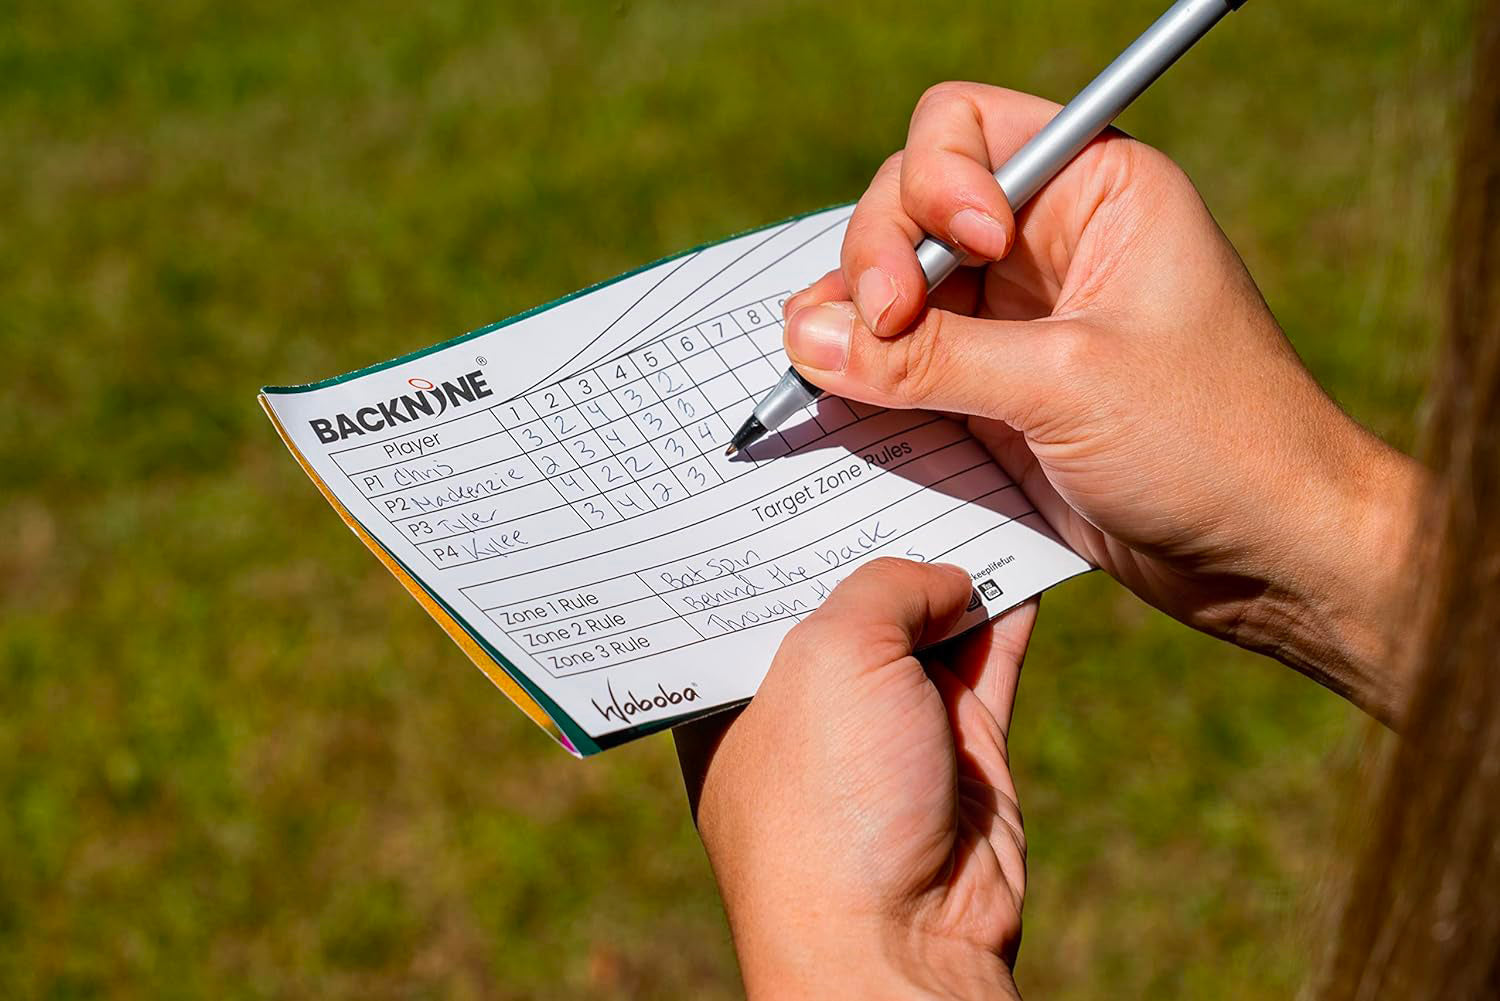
x,y
1032,166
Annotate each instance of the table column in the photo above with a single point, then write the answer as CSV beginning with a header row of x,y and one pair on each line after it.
x,y
628,459
829,413
753,375
591,627
561,423
459,491
694,427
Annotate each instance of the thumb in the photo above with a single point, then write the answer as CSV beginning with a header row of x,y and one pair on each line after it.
x,y
1003,369
889,608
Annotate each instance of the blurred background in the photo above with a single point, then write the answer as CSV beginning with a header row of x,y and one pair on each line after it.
x,y
237,761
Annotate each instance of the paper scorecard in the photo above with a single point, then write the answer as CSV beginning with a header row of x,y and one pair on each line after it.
x,y
553,489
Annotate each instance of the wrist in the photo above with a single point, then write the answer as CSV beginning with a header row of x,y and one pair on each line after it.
x,y
850,959
1346,575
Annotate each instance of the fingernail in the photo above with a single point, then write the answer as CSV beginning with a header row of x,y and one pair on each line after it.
x,y
954,569
874,295
818,337
978,231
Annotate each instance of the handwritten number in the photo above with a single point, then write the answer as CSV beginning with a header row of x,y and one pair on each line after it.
x,y
656,422
635,398
609,477
697,475
533,439
666,492
636,466
687,408
593,510
552,465
625,500
563,427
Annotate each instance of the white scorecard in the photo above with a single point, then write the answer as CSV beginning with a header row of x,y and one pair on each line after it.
x,y
554,489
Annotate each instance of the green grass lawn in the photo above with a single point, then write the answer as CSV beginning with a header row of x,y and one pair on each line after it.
x,y
236,761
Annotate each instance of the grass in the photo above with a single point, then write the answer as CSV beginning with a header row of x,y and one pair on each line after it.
x,y
235,761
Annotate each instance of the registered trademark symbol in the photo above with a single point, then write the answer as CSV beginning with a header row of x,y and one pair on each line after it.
x,y
481,360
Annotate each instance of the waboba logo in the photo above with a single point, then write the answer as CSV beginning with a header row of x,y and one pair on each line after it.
x,y
428,400
635,704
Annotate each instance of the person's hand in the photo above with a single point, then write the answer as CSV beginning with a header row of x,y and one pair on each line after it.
x,y
859,814
1121,365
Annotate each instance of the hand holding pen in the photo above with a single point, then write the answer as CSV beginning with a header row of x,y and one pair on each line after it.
x,y
1120,364
1024,173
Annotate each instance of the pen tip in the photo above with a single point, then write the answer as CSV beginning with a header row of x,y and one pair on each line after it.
x,y
748,434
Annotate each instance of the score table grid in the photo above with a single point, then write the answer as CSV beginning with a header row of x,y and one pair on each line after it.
x,y
612,443
628,437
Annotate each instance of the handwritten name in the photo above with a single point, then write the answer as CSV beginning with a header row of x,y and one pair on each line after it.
x,y
413,475
500,544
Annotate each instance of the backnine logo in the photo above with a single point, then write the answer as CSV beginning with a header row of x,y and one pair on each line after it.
x,y
635,704
427,401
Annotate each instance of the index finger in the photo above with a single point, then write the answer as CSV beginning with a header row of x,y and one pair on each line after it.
x,y
878,258
943,186
948,187
988,659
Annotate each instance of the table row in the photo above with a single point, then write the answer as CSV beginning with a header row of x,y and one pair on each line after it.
x,y
658,373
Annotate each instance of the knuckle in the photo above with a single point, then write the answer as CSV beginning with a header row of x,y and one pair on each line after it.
x,y
885,566
914,370
799,637
941,93
1123,164
807,638
1065,353
1067,349
1149,163
922,186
